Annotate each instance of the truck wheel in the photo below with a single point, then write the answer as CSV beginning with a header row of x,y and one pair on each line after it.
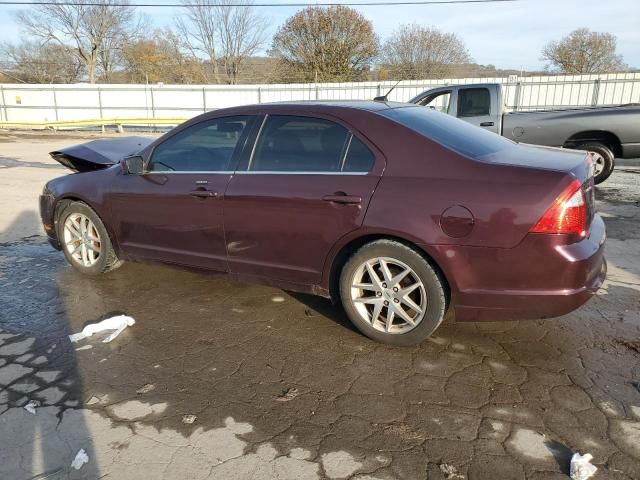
x,y
603,160
85,241
392,294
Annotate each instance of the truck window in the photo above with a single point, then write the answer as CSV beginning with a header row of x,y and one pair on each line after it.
x,y
473,102
437,101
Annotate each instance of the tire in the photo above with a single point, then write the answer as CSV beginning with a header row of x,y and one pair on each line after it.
x,y
607,156
95,263
431,296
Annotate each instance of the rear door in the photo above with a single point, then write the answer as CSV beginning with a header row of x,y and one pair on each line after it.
x,y
306,183
173,211
477,106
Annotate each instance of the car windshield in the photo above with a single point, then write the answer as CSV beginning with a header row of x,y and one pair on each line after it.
x,y
448,131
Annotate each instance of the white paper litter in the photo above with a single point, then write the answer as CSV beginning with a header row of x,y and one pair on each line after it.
x,y
146,388
31,406
117,323
80,460
450,472
581,469
188,419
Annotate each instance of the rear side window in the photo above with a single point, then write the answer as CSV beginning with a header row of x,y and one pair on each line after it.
x,y
474,102
205,147
448,131
299,144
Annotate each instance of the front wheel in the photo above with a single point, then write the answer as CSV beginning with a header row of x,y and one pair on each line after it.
x,y
392,294
85,241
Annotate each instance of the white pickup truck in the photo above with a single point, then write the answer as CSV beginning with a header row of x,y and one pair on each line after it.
x,y
607,132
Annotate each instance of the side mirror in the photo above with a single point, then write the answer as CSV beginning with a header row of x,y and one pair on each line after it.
x,y
133,165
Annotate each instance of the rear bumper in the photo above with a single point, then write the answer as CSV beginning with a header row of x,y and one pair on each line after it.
x,y
542,277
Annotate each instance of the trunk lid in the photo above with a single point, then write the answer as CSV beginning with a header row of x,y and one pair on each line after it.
x,y
99,154
546,158
576,163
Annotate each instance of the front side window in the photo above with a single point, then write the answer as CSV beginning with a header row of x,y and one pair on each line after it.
x,y
473,102
206,147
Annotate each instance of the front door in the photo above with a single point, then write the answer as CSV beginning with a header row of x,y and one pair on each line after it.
x,y
173,212
307,183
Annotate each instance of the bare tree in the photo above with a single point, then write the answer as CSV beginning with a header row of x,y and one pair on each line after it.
x,y
583,51
110,53
225,33
83,28
241,33
326,44
197,28
414,52
31,62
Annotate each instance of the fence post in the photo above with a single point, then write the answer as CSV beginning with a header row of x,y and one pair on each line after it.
x,y
4,104
204,99
317,96
596,92
55,101
379,90
153,103
516,99
100,104
259,94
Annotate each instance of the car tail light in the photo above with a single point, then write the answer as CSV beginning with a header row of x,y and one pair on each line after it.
x,y
567,214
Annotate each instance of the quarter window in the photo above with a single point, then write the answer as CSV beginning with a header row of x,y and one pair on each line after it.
x,y
359,158
206,147
473,102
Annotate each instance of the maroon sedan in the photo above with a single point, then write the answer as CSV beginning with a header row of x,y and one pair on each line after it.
x,y
397,210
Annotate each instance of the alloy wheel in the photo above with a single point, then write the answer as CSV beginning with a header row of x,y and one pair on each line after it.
x,y
82,240
598,162
388,295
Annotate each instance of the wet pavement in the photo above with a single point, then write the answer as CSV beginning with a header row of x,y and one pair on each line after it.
x,y
279,385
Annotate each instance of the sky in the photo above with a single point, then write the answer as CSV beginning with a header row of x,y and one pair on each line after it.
x,y
507,35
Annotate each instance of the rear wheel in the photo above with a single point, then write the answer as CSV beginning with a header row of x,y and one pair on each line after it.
x,y
392,294
85,241
603,160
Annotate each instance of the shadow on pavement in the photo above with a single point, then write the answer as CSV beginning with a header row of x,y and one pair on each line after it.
x,y
38,366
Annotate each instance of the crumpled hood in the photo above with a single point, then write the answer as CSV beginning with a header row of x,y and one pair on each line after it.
x,y
99,154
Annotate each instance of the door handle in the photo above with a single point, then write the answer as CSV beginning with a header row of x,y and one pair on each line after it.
x,y
344,199
487,124
203,194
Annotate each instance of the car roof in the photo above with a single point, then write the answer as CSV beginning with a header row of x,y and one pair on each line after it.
x,y
318,106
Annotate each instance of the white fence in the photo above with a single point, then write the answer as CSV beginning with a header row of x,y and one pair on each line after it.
x,y
49,103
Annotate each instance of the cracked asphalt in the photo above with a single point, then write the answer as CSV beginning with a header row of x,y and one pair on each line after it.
x,y
224,380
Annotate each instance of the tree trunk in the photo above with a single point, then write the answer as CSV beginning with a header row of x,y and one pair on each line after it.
x,y
91,70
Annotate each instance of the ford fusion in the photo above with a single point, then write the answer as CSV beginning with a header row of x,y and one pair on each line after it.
x,y
398,211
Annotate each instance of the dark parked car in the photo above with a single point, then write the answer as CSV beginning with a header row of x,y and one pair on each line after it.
x,y
397,210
